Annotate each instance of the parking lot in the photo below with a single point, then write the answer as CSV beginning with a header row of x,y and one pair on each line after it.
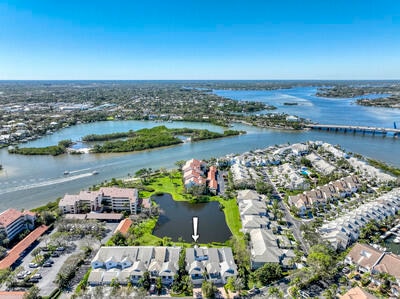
x,y
47,283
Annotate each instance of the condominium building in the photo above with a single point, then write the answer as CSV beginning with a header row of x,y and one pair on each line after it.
x,y
112,198
12,222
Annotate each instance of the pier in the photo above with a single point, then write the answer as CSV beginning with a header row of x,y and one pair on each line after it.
x,y
387,132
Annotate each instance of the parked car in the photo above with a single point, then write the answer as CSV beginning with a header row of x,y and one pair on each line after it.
x,y
33,265
34,280
37,276
61,248
47,264
55,254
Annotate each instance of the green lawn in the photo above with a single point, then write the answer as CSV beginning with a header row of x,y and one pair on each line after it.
x,y
148,238
172,183
232,216
169,183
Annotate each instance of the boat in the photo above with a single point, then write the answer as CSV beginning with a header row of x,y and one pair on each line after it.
x,y
95,172
66,172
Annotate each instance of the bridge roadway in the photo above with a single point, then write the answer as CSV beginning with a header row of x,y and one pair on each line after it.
x,y
355,129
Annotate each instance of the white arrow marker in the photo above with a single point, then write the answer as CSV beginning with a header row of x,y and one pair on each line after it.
x,y
195,236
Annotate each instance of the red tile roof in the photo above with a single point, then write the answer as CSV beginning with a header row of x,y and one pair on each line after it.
x,y
14,254
357,293
9,216
213,184
124,226
211,173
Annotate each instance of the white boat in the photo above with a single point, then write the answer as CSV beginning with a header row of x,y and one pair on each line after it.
x,y
95,172
66,172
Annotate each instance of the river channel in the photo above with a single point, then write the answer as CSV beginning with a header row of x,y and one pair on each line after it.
x,y
30,181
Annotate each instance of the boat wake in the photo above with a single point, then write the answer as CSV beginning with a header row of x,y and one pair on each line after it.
x,y
46,183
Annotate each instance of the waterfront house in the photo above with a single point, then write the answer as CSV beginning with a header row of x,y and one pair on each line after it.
x,y
212,180
249,195
129,263
351,223
252,207
193,173
250,222
213,264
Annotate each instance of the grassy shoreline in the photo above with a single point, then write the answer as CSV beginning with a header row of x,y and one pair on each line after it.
x,y
171,183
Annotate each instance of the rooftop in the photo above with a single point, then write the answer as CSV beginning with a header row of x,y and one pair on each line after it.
x,y
357,293
124,226
9,216
14,254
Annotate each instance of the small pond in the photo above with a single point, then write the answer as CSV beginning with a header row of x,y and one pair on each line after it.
x,y
175,220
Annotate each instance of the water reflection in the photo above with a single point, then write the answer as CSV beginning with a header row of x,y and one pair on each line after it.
x,y
176,220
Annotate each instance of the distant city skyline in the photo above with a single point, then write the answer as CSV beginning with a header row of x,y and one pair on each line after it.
x,y
199,40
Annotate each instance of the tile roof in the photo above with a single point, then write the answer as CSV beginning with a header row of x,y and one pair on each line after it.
x,y
14,254
124,226
390,263
9,216
119,192
11,295
357,293
364,255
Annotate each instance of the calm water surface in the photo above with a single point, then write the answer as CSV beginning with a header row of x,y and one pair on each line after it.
x,y
29,181
176,220
339,111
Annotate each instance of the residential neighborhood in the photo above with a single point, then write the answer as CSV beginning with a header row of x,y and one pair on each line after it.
x,y
290,200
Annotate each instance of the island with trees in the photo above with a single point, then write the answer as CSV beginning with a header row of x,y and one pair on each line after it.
x,y
390,94
53,150
130,141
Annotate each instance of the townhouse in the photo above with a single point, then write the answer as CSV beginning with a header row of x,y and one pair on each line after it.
x,y
324,194
265,247
129,263
345,230
195,174
212,180
213,264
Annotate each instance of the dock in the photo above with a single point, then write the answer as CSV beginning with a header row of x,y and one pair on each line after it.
x,y
375,131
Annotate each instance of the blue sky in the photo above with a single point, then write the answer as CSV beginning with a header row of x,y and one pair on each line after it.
x,y
203,39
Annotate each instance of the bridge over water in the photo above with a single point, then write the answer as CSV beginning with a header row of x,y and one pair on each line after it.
x,y
389,132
